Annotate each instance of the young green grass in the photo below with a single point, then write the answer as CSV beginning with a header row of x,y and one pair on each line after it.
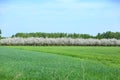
x,y
106,55
31,65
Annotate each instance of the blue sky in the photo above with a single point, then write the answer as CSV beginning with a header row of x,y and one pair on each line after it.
x,y
79,16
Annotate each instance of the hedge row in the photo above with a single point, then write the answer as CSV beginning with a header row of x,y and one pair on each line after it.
x,y
59,42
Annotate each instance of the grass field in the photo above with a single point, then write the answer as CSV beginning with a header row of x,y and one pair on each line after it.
x,y
59,63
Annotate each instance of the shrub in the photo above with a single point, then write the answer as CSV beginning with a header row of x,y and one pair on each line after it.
x,y
60,42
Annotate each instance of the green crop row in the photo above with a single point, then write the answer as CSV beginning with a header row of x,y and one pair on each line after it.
x,y
35,63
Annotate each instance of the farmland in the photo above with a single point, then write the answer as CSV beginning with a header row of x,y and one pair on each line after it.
x,y
59,40
59,63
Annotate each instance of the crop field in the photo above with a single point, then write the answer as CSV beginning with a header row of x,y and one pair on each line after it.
x,y
59,63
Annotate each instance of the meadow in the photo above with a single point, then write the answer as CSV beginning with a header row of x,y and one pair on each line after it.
x,y
59,63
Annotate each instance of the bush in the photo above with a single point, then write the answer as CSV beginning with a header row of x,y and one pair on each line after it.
x,y
59,42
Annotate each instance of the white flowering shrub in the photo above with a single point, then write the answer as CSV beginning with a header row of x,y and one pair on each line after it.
x,y
60,42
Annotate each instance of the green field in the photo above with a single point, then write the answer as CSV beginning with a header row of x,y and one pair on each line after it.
x,y
59,63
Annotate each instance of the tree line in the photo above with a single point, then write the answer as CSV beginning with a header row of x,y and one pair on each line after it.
x,y
108,35
32,41
52,35
104,35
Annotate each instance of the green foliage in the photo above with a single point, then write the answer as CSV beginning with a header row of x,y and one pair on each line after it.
x,y
106,55
109,35
52,35
106,35
30,65
0,33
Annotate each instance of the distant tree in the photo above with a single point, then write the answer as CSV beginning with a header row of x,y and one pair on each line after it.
x,y
99,36
108,35
0,33
13,36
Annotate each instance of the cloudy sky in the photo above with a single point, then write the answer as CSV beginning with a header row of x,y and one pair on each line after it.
x,y
80,16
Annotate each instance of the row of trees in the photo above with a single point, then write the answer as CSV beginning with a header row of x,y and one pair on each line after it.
x,y
106,35
59,42
52,35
